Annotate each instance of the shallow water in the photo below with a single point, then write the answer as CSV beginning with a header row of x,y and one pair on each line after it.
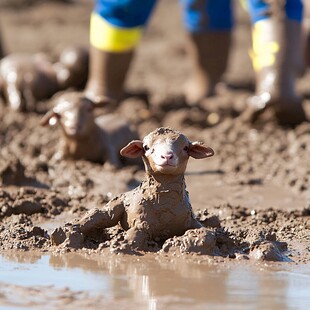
x,y
150,282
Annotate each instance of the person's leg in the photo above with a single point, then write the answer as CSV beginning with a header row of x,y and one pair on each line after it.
x,y
277,58
2,53
307,31
115,30
208,24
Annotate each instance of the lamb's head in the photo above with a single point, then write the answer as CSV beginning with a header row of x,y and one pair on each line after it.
x,y
166,151
74,113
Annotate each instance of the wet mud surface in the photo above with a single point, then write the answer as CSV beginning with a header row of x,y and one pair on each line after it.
x,y
252,197
147,282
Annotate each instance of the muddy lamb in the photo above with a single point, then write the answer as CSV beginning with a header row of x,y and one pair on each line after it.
x,y
159,208
27,79
84,136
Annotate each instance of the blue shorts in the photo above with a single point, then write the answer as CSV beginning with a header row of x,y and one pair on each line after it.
x,y
198,15
258,10
125,13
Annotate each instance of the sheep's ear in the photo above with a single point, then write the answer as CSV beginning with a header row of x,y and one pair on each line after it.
x,y
133,149
198,150
50,118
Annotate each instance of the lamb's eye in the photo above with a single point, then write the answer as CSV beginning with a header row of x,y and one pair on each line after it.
x,y
186,148
145,147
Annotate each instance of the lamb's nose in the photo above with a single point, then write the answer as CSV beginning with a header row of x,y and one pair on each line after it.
x,y
167,156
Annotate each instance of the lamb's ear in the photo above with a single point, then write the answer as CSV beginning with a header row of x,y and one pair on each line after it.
x,y
133,149
50,118
198,150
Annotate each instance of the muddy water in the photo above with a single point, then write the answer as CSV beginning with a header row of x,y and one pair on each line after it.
x,y
148,283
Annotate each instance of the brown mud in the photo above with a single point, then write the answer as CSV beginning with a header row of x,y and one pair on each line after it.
x,y
253,196
148,282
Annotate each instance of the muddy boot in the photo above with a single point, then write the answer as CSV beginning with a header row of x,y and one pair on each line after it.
x,y
277,62
107,73
209,53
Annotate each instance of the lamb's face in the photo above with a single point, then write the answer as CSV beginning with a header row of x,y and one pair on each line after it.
x,y
75,114
167,153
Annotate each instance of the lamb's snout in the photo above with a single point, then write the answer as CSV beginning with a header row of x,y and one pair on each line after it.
x,y
71,123
163,155
167,156
166,160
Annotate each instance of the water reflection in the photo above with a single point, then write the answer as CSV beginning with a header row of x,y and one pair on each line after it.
x,y
174,282
157,282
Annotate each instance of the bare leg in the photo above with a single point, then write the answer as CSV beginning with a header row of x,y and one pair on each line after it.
x,y
2,53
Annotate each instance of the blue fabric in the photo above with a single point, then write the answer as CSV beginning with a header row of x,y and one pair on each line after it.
x,y
207,15
258,10
198,15
125,13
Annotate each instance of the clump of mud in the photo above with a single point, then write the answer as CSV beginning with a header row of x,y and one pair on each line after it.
x,y
18,232
30,201
264,234
217,242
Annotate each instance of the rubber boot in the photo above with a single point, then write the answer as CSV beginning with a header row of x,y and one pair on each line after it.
x,y
209,54
277,61
107,73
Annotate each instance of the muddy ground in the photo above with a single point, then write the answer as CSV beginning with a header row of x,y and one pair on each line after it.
x,y
253,196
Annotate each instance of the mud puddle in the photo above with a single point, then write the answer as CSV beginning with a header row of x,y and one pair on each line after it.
x,y
50,281
214,186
